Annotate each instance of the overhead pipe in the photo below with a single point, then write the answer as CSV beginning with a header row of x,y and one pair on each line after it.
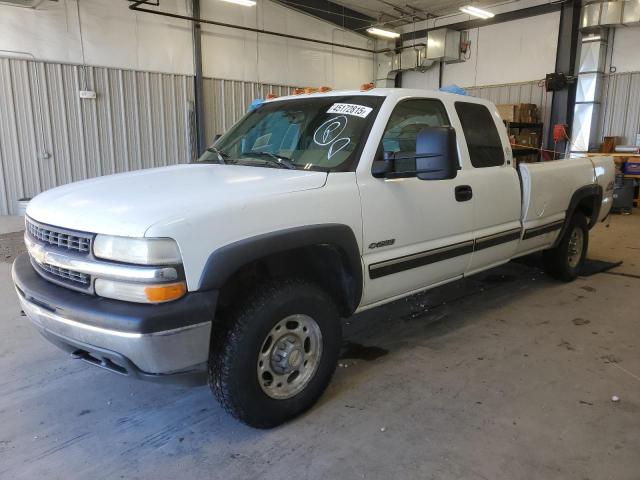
x,y
136,6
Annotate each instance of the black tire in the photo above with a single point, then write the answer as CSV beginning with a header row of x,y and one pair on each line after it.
x,y
558,261
235,351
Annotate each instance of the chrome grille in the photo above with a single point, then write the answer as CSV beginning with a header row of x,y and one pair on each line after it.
x,y
64,274
59,237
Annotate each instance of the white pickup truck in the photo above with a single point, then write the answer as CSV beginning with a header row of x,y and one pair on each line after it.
x,y
311,208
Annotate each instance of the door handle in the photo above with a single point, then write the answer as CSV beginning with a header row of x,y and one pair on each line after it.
x,y
463,193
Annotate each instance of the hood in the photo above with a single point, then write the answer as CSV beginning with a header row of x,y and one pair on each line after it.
x,y
128,204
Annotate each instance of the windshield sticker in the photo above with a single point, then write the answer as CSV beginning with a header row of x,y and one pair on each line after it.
x,y
350,109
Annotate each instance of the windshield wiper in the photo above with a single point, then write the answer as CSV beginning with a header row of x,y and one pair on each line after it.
x,y
220,153
279,160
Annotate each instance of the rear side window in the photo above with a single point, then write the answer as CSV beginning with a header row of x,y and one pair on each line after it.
x,y
483,141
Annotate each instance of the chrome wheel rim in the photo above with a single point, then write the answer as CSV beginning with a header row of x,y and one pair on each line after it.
x,y
576,242
289,356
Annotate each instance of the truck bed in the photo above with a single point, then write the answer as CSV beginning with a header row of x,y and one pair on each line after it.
x,y
547,189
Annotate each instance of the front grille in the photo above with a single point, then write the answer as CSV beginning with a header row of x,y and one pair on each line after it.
x,y
68,275
58,237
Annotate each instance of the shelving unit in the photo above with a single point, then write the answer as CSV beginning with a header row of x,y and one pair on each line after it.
x,y
513,128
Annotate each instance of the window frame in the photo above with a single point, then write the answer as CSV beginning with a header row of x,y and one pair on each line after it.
x,y
464,135
349,165
380,147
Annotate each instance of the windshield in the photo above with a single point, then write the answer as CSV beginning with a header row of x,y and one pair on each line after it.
x,y
322,133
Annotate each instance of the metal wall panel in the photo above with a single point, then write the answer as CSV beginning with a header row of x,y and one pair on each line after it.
x,y
49,136
226,101
620,112
528,92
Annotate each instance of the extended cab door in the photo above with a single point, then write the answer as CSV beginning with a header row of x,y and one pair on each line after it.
x,y
494,184
416,232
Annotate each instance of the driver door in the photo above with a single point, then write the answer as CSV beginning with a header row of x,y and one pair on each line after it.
x,y
416,232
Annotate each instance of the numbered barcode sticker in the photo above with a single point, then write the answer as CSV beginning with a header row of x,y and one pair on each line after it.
x,y
350,109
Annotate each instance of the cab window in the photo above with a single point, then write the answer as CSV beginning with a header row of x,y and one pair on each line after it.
x,y
483,140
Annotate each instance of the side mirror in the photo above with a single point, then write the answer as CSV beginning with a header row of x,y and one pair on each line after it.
x,y
384,164
436,153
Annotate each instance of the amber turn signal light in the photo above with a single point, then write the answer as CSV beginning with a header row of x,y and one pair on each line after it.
x,y
165,293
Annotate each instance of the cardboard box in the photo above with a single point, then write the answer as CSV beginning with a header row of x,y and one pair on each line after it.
x,y
527,113
518,112
507,112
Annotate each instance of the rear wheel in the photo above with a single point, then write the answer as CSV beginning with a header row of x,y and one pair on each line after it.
x,y
565,261
277,353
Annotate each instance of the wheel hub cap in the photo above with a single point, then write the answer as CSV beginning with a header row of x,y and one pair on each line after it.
x,y
576,243
289,356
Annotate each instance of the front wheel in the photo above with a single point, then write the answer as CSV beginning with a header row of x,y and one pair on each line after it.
x,y
565,261
277,353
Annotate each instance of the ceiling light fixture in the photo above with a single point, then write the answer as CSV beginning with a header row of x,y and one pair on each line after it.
x,y
244,3
382,33
476,12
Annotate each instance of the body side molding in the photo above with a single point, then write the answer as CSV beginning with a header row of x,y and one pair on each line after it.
x,y
542,229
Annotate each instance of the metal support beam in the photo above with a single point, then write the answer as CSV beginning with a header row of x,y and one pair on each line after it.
x,y
564,100
196,33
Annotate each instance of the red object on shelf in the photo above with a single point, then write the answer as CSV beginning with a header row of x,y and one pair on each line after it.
x,y
559,132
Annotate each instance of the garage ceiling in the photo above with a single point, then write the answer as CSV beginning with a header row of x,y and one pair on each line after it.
x,y
394,13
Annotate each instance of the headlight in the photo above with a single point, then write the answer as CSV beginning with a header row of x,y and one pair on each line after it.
x,y
142,251
140,292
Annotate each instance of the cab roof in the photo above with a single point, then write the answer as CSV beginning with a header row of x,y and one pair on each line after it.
x,y
396,93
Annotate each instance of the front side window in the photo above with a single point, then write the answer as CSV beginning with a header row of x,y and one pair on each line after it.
x,y
319,133
407,119
483,140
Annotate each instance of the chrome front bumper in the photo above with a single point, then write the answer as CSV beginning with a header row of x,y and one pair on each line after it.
x,y
135,339
163,352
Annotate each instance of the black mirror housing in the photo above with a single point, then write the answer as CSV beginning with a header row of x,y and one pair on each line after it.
x,y
383,164
440,148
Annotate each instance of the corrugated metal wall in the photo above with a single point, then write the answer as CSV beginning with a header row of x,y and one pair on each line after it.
x,y
527,92
620,112
49,136
226,101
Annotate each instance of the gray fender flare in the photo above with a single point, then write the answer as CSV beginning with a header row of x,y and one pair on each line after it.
x,y
589,191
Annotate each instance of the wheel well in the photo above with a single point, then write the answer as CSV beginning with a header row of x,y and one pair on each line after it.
x,y
587,206
325,265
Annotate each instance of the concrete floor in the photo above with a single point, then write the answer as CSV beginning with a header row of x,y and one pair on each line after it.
x,y
508,375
